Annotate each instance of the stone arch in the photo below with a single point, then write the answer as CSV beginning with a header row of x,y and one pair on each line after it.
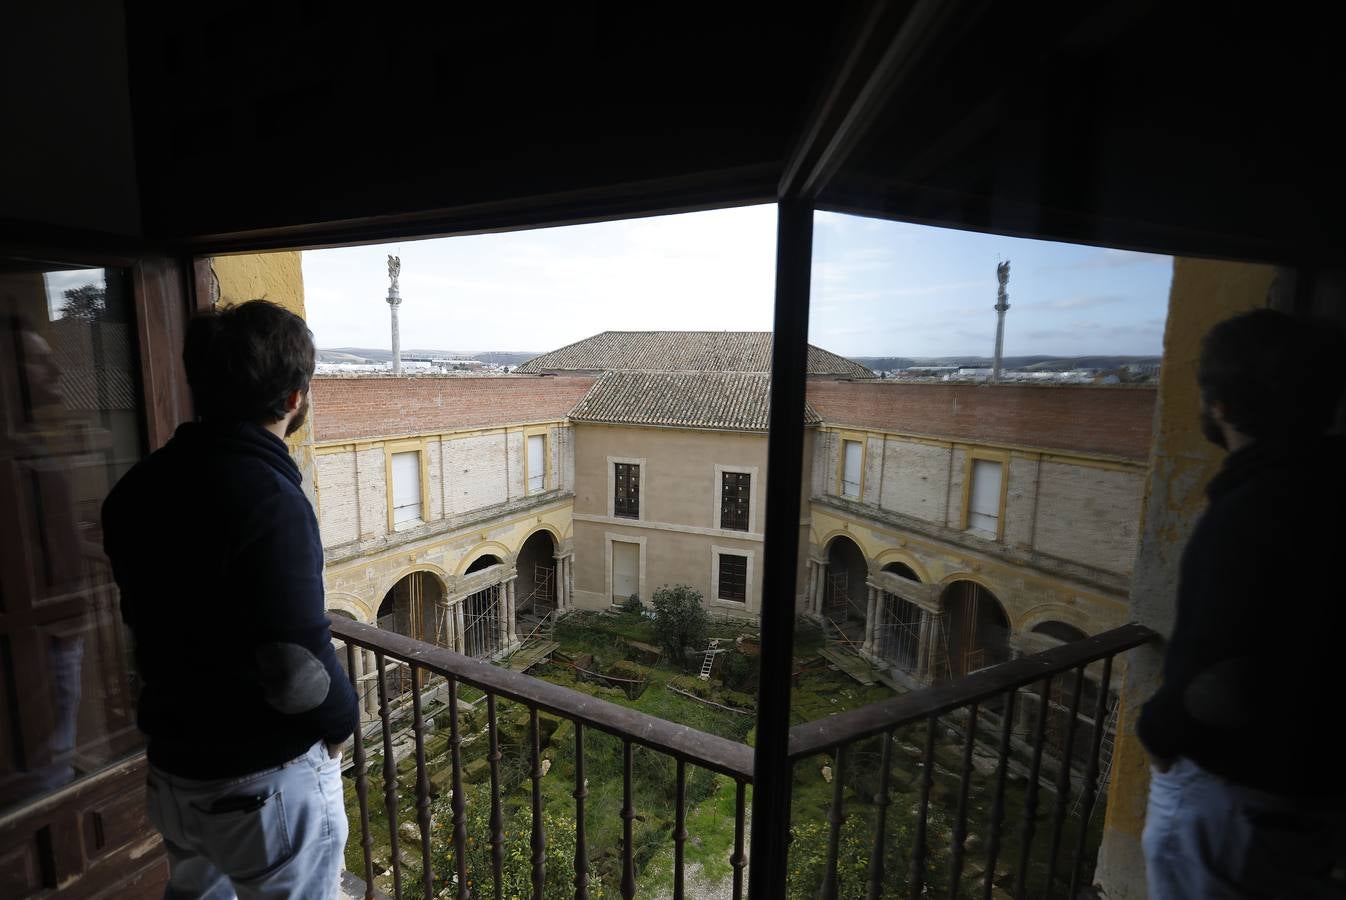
x,y
906,558
555,533
485,548
387,584
978,625
1031,618
414,605
350,605
1054,628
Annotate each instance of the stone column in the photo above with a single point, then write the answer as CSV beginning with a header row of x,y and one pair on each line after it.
x,y
871,604
570,581
510,636
821,602
562,601
923,645
934,651
371,684
459,638
808,585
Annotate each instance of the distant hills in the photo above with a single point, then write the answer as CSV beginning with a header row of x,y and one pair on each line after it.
x,y
372,356
1028,363
877,363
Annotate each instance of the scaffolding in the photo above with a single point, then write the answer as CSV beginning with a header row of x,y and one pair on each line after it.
x,y
541,600
481,622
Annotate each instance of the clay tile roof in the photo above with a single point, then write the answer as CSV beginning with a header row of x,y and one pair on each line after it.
x,y
719,400
681,351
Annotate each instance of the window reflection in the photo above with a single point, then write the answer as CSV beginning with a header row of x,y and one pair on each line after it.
x,y
70,425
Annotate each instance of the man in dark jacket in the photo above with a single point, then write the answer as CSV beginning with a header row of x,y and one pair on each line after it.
x,y
216,550
1247,791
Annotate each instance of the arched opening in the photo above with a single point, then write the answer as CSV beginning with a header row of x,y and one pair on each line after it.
x,y
536,587
485,561
415,607
1060,630
1062,700
902,570
847,571
898,633
482,613
978,633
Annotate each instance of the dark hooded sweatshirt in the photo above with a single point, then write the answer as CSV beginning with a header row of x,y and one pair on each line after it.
x,y
216,551
1252,670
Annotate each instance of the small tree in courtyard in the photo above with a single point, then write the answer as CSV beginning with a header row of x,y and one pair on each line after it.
x,y
679,619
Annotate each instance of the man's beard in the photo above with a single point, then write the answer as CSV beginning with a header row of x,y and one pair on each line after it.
x,y
300,415
1211,429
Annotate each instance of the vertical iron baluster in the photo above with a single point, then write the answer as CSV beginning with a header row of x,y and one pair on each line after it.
x,y
918,850
998,804
361,780
539,842
628,825
679,830
1090,796
581,792
497,824
422,783
739,859
459,802
960,824
1063,783
1030,823
881,800
835,817
389,776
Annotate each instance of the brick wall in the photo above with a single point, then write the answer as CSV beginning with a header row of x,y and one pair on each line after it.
x,y
351,408
1111,420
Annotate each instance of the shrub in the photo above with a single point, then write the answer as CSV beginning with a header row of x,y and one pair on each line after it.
x,y
632,604
739,672
679,620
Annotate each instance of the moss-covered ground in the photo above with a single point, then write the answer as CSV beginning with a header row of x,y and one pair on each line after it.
x,y
612,643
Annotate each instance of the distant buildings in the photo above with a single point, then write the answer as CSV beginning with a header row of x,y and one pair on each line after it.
x,y
945,525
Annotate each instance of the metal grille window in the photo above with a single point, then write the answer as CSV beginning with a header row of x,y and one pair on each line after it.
x,y
733,577
626,491
735,494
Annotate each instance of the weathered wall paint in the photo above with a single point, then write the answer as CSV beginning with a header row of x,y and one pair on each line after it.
x,y
1203,293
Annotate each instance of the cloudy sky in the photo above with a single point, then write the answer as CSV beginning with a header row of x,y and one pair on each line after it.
x,y
879,288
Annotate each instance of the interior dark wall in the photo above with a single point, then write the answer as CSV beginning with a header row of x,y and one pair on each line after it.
x,y
67,157
299,113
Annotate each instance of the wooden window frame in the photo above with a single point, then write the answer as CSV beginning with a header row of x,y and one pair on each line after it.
x,y
986,455
543,431
839,487
612,463
417,445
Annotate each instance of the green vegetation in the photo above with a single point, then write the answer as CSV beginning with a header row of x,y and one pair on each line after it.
x,y
680,621
623,645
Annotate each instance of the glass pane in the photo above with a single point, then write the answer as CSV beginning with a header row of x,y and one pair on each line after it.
x,y
70,426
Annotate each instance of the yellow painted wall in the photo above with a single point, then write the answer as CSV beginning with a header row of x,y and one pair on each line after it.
x,y
1204,292
357,586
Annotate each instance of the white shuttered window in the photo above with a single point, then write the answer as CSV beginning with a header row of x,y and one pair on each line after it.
x,y
984,513
406,488
537,463
850,469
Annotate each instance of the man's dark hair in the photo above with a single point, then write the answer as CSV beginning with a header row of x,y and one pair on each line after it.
x,y
244,361
1273,373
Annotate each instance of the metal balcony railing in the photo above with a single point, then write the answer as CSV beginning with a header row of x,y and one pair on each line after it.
x,y
957,702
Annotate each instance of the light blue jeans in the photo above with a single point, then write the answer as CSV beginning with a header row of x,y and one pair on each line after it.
x,y
276,833
1206,837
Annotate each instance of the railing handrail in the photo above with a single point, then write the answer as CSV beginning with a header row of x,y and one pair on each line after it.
x,y
839,729
679,741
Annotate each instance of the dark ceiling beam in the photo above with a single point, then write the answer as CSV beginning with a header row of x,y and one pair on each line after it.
x,y
691,193
892,42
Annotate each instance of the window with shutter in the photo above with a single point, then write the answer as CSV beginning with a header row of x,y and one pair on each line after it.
x,y
735,497
626,491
